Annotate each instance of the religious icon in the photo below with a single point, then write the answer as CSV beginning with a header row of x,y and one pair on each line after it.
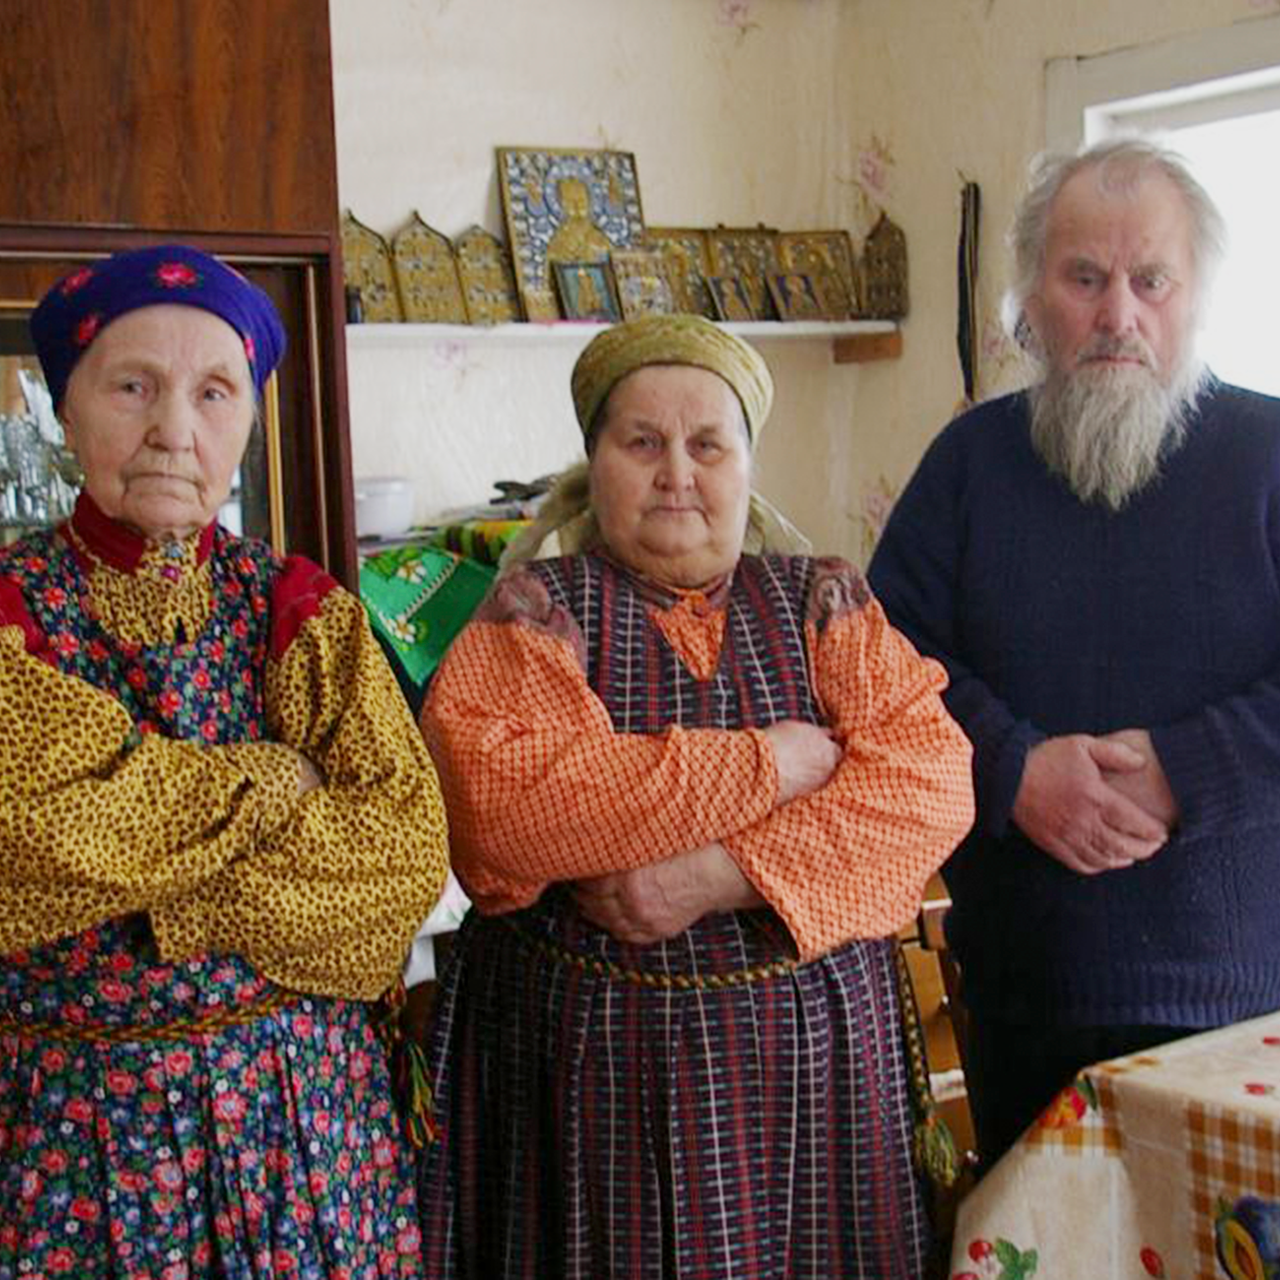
x,y
827,258
643,282
484,270
427,275
884,271
730,298
793,295
586,292
367,266
565,206
751,254
689,258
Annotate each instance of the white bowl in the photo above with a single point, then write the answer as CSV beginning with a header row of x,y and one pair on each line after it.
x,y
384,506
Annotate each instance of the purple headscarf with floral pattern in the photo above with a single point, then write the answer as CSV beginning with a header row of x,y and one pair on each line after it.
x,y
82,304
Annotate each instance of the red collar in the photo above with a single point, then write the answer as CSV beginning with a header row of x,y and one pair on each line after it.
x,y
120,546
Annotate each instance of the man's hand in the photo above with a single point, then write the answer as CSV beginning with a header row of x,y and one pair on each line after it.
x,y
806,757
1147,787
663,899
1070,803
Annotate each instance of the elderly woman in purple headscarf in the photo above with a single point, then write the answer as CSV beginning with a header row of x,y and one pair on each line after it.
x,y
219,830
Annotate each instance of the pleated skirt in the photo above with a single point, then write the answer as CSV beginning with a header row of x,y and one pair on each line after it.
x,y
703,1108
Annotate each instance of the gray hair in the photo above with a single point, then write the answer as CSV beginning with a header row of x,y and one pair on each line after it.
x,y
1122,163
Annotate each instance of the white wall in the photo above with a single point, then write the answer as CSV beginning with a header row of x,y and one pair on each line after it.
x,y
959,88
787,112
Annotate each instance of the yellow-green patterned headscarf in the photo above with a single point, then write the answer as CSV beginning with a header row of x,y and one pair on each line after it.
x,y
654,339
607,359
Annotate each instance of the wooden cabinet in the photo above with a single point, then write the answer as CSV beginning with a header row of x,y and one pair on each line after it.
x,y
209,122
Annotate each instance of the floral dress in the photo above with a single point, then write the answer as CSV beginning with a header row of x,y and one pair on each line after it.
x,y
191,1083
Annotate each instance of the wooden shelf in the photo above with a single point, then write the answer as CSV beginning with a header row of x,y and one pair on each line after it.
x,y
852,341
859,347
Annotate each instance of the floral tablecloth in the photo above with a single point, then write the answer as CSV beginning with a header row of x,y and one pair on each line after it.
x,y
1165,1164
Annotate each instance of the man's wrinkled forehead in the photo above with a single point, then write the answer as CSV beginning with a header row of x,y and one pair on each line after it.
x,y
1144,219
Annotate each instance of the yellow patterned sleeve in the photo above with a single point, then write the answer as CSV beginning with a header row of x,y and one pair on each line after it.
x,y
96,822
334,893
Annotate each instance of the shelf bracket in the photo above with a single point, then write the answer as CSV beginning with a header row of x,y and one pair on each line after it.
x,y
857,348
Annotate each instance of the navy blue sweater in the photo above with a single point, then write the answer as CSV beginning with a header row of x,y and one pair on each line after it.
x,y
1057,617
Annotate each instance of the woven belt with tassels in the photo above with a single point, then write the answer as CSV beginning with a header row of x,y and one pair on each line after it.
x,y
410,1083
645,978
182,1029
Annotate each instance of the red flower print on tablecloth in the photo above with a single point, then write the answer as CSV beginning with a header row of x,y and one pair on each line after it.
x,y
1068,1109
999,1260
176,275
1152,1262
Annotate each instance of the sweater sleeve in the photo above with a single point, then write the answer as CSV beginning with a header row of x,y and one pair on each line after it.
x,y
539,786
334,892
1222,762
852,858
913,574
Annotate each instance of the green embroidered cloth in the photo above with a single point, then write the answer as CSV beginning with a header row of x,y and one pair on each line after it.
x,y
483,540
418,599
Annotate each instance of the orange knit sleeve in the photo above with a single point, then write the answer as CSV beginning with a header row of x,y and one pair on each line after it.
x,y
539,787
852,858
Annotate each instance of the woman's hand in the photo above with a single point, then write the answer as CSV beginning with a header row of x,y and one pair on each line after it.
x,y
663,899
269,755
806,756
308,775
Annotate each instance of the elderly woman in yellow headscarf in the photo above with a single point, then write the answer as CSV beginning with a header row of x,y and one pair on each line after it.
x,y
693,791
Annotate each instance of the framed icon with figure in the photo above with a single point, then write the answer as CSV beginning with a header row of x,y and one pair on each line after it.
x,y
794,296
586,291
565,206
643,282
730,297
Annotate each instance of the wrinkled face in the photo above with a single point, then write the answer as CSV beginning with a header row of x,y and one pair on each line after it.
x,y
671,474
158,413
1117,289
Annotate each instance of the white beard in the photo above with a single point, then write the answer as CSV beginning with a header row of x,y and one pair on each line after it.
x,y
1105,428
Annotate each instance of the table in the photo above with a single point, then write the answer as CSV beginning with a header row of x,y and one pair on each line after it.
x,y
1163,1165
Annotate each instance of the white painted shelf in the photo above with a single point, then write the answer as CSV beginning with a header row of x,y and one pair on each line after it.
x,y
851,340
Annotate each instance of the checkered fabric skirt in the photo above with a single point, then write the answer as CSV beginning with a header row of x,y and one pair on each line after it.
x,y
696,1109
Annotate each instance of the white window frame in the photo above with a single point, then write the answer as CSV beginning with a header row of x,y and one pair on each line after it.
x,y
1188,79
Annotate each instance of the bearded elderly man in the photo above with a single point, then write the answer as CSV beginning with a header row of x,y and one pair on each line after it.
x,y
1097,562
